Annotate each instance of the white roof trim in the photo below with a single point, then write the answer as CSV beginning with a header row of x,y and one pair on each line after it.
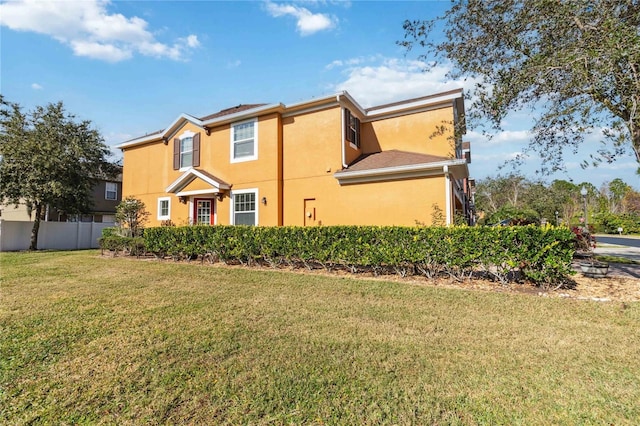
x,y
197,192
304,106
189,176
397,172
430,101
247,113
170,129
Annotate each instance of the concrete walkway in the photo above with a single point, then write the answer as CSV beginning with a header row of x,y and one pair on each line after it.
x,y
632,253
618,269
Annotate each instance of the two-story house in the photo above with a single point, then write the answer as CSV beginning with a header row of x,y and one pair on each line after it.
x,y
326,161
105,197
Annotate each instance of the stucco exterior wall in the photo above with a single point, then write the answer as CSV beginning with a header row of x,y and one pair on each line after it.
x,y
428,132
148,170
403,202
293,177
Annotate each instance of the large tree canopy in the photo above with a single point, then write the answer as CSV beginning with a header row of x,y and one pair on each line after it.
x,y
577,62
47,158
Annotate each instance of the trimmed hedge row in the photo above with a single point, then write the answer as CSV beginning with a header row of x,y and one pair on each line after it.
x,y
542,255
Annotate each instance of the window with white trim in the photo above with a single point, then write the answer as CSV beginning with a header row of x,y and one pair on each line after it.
x,y
244,208
186,152
111,191
244,141
164,208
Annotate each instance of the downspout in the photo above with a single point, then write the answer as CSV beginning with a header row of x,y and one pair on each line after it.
x,y
447,192
344,163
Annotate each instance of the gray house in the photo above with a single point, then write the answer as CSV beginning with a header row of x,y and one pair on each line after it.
x,y
107,194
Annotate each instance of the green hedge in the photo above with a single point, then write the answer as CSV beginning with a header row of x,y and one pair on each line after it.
x,y
542,255
133,246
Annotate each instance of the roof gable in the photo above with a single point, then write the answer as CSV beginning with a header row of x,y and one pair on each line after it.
x,y
217,185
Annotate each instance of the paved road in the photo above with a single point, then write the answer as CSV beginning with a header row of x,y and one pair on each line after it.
x,y
616,246
618,240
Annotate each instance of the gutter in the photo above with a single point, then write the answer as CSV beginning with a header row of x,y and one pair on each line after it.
x,y
436,168
447,193
344,154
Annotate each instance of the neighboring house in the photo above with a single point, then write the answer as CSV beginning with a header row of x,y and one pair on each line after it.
x,y
107,194
326,161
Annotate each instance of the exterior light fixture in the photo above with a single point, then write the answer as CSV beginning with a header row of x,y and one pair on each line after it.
x,y
264,200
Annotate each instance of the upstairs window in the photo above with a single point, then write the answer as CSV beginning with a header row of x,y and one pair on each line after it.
x,y
111,191
351,128
244,141
186,150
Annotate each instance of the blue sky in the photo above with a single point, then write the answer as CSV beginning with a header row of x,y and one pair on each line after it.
x,y
133,67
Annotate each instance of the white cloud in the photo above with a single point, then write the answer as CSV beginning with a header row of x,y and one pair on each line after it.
x,y
95,50
511,137
307,23
393,79
90,30
36,86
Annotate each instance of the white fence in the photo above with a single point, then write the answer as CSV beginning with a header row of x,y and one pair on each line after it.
x,y
15,235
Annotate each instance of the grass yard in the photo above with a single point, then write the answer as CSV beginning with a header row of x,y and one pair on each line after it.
x,y
92,340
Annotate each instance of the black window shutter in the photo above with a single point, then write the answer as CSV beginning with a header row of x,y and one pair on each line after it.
x,y
176,154
347,124
357,126
196,150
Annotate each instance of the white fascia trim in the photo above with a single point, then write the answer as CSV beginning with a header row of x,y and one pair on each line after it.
x,y
332,99
188,176
165,133
140,141
197,192
352,101
412,170
313,108
430,102
319,104
248,113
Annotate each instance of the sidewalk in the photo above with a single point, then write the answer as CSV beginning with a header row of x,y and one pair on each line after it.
x,y
618,269
632,253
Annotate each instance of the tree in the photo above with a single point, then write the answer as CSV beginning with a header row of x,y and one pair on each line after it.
x,y
631,202
493,193
131,214
566,199
617,189
578,62
49,159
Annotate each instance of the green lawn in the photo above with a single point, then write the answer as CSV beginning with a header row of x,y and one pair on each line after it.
x,y
86,340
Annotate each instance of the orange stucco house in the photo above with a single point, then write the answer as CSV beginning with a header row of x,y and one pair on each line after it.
x,y
326,161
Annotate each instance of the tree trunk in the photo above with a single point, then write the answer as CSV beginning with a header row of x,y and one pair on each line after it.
x,y
36,228
635,141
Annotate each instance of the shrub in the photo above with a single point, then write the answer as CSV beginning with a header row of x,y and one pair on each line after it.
x,y
542,255
134,246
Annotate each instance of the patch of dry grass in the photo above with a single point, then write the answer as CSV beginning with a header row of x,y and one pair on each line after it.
x,y
92,340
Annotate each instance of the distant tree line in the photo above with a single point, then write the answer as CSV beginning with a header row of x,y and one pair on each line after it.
x,y
612,206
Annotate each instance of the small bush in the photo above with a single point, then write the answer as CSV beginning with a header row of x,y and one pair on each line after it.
x,y
134,246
